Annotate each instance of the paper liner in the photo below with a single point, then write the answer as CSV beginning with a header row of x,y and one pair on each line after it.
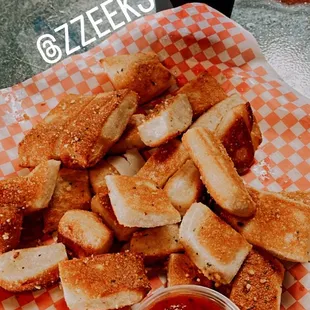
x,y
189,40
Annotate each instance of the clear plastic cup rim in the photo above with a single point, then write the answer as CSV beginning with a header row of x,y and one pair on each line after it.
x,y
197,290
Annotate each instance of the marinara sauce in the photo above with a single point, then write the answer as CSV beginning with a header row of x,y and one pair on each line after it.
x,y
185,302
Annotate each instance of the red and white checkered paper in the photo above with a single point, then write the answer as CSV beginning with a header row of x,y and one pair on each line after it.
x,y
188,40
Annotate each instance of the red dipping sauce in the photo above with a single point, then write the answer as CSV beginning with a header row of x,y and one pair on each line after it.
x,y
185,302
186,297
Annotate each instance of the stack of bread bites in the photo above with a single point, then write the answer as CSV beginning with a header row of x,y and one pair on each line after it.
x,y
124,190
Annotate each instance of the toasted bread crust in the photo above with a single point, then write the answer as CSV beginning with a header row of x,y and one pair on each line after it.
x,y
167,121
103,278
141,72
156,243
181,271
212,117
11,219
218,172
299,196
97,175
164,163
203,92
41,279
80,130
40,144
32,192
280,226
215,248
86,140
208,235
84,233
258,283
71,192
101,205
138,202
234,131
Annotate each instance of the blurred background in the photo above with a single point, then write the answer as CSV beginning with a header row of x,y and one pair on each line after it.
x,y
282,31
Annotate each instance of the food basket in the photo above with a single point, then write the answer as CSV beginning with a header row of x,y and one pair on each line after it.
x,y
189,39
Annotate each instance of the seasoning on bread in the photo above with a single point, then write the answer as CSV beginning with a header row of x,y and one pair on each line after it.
x,y
11,220
88,137
32,268
106,281
84,234
101,205
167,121
140,72
41,142
33,192
298,196
280,226
215,248
71,192
203,92
258,284
182,271
79,132
218,173
164,162
138,202
156,243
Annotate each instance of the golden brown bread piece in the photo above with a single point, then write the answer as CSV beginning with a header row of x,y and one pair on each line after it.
x,y
130,139
182,271
213,246
218,173
88,137
40,144
80,130
234,131
156,243
138,202
258,284
71,192
280,226
11,219
232,120
140,72
184,187
84,233
164,162
299,196
212,117
203,92
104,282
32,268
101,205
97,174
32,192
167,121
